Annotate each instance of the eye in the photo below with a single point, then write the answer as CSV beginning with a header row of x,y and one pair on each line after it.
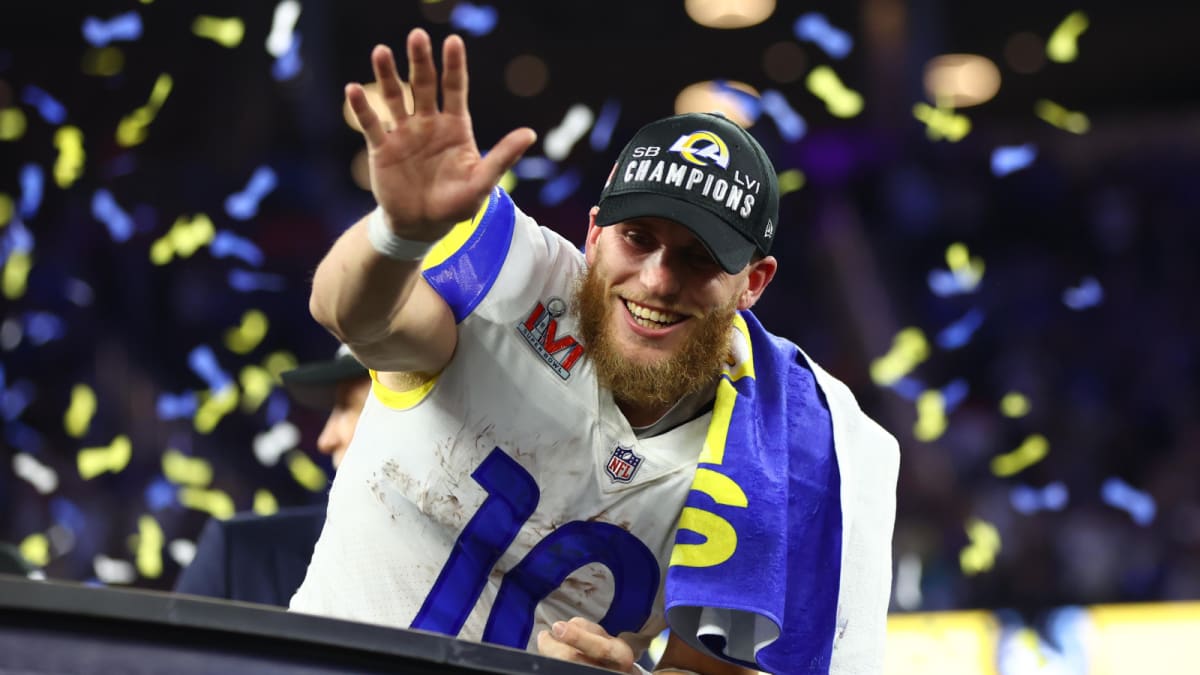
x,y
637,238
700,259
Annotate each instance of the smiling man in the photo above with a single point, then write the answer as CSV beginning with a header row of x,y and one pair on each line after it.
x,y
571,451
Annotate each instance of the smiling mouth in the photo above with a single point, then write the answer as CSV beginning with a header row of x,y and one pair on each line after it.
x,y
647,317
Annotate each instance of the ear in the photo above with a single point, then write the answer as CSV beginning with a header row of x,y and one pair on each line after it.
x,y
593,235
758,277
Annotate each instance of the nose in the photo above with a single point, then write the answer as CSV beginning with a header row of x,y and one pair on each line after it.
x,y
333,436
660,275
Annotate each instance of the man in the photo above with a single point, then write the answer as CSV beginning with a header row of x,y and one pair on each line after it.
x,y
262,559
569,450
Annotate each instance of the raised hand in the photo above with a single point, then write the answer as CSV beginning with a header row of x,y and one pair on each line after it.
x,y
426,170
581,641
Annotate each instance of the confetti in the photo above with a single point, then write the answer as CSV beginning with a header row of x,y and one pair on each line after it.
x,y
112,458
214,407
1029,500
278,362
227,32
12,124
277,408
67,514
43,478
16,398
535,168
1121,495
181,469
79,413
909,349
908,581
1030,452
256,387
121,28
747,104
16,274
1087,294
106,209
1053,113
1063,45
606,121
840,101
289,64
227,244
964,274
264,502
243,338
955,393
790,123
1008,159
185,237
907,387
980,554
556,190
1014,404
245,281
790,181
270,445
43,327
931,416
6,209
176,406
561,139
182,551
131,130
161,494
283,25
149,547
104,62
244,205
203,362
113,571
814,27
959,333
473,19
32,182
47,106
215,503
942,123
36,549
306,472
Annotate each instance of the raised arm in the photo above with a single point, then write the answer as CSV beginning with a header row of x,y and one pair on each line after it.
x,y
426,174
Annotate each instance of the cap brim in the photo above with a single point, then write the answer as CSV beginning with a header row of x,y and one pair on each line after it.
x,y
730,249
314,385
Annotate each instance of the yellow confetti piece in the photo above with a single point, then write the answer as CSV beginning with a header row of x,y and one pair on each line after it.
x,y
225,32
264,502
278,362
942,123
6,209
36,549
149,548
16,274
182,469
791,180
114,457
215,503
967,270
79,414
256,387
12,124
185,237
306,472
214,407
980,554
1074,122
131,130
244,338
839,100
508,181
1063,45
103,62
909,349
1014,404
1030,452
931,416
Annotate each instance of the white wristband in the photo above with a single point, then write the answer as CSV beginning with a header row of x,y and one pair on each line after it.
x,y
389,245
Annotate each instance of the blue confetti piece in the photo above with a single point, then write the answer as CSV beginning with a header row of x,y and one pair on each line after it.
x,y
1088,293
42,327
814,27
792,126
960,332
288,64
68,514
106,209
32,179
244,205
474,19
1119,494
47,106
245,281
203,362
558,189
160,494
176,406
278,407
1009,158
79,293
1029,500
16,398
606,121
748,104
954,394
22,437
123,27
535,168
226,244
908,387
944,283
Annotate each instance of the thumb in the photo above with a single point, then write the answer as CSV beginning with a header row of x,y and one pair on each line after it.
x,y
505,154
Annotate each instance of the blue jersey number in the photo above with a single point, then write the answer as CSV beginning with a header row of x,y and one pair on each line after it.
x,y
512,499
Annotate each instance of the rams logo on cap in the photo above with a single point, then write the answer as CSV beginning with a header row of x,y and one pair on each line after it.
x,y
701,148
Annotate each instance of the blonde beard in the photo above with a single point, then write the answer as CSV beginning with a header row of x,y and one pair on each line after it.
x,y
695,365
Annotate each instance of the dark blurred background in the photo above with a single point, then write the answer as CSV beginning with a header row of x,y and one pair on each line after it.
x,y
1045,392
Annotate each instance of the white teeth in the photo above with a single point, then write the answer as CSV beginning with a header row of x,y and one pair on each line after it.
x,y
651,318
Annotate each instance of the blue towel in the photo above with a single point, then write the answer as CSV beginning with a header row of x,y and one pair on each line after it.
x,y
756,567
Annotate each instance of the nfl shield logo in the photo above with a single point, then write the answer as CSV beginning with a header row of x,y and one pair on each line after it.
x,y
622,465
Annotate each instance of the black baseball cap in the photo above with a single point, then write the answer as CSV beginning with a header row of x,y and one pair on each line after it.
x,y
704,172
314,384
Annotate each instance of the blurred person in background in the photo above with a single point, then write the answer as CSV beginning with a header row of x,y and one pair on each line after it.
x,y
262,559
